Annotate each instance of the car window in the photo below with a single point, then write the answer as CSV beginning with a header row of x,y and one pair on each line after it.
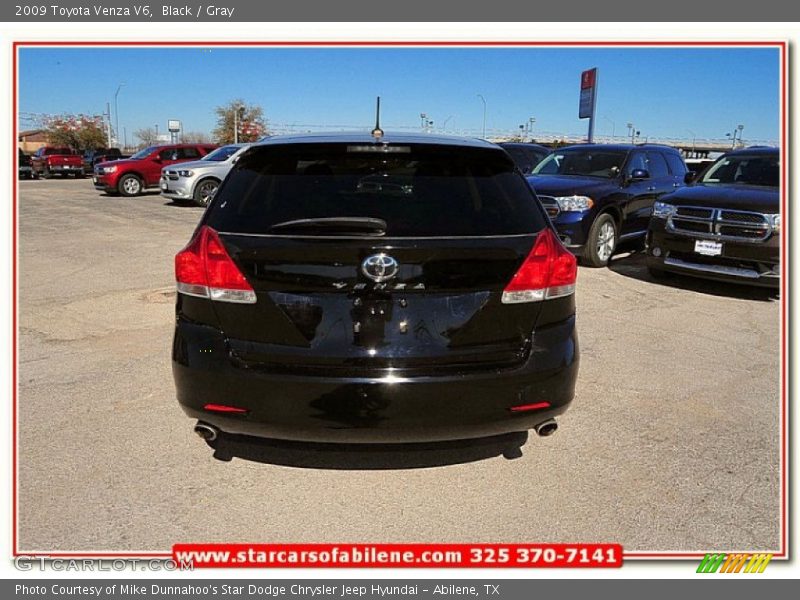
x,y
761,169
520,157
188,153
676,165
168,154
419,189
222,154
637,162
592,162
656,165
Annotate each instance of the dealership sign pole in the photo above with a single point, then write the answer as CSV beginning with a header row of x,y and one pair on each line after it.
x,y
174,127
588,103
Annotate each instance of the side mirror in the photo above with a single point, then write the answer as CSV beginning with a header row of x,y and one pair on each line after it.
x,y
235,159
689,177
639,174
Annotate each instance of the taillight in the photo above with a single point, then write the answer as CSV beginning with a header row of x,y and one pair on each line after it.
x,y
205,269
226,408
549,271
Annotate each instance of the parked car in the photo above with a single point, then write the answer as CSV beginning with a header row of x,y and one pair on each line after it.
x,y
132,176
24,168
198,181
598,195
92,157
48,161
725,226
313,308
525,156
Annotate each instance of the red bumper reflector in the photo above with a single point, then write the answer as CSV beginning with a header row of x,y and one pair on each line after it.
x,y
224,408
526,407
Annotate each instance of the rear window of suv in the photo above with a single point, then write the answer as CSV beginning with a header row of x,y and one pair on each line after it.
x,y
419,190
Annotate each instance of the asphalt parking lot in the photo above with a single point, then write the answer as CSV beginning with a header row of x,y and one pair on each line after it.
x,y
672,442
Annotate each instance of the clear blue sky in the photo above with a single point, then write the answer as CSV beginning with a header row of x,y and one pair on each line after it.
x,y
664,91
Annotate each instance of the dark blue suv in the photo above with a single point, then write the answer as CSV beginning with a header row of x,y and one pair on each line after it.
x,y
598,195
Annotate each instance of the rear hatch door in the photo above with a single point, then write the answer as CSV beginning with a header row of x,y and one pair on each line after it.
x,y
377,258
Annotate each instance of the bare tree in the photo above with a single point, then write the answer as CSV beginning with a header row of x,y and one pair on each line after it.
x,y
147,136
195,137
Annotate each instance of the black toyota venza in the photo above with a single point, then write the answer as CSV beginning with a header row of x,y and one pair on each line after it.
x,y
369,288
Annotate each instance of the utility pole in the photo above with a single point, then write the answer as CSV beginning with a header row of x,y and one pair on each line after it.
x,y
116,111
236,109
108,124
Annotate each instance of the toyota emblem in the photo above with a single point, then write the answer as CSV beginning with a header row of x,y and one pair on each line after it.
x,y
379,267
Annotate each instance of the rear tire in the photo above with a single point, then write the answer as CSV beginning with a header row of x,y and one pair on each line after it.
x,y
601,242
204,192
130,185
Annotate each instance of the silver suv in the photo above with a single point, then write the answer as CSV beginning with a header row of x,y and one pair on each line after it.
x,y
198,181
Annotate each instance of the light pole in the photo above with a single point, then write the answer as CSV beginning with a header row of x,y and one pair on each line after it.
x,y
446,121
423,117
613,128
116,111
108,124
531,123
733,136
235,123
631,129
484,114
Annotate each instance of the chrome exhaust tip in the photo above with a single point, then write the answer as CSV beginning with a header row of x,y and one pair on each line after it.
x,y
546,428
207,432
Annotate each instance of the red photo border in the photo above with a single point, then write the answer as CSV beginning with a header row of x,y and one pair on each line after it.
x,y
784,97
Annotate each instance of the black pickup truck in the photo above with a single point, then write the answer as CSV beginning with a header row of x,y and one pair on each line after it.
x,y
93,157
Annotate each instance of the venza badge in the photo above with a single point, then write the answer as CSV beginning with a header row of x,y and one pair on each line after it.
x,y
379,267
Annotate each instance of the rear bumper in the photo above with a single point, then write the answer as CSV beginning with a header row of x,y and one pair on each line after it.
x,y
755,264
65,168
368,409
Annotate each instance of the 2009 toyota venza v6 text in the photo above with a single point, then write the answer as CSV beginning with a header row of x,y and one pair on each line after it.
x,y
358,288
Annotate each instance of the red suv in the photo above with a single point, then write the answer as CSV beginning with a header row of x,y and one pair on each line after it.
x,y
131,176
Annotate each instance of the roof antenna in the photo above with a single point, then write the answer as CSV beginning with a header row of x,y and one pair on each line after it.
x,y
377,133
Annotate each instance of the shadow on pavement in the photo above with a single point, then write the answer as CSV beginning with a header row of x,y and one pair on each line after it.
x,y
634,265
306,455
